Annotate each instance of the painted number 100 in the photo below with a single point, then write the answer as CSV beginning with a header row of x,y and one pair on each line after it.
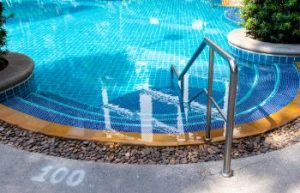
x,y
58,175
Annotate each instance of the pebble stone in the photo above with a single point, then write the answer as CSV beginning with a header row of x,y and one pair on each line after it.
x,y
15,136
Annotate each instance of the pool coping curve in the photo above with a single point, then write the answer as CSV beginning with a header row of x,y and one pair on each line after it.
x,y
274,120
240,39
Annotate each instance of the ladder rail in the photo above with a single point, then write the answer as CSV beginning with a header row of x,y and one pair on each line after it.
x,y
216,48
230,115
192,60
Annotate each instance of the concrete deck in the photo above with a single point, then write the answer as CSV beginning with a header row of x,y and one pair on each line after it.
x,y
26,172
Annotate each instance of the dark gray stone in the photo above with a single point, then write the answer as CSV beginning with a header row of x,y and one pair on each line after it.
x,y
20,67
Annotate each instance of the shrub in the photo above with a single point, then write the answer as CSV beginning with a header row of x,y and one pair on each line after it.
x,y
276,21
3,32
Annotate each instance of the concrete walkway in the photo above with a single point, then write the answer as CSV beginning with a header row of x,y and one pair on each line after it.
x,y
23,172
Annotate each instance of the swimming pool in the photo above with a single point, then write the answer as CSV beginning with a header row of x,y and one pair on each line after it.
x,y
104,65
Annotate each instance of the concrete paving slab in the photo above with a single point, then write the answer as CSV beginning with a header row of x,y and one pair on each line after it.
x,y
24,172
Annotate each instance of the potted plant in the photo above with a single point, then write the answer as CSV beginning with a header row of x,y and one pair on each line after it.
x,y
3,61
15,68
275,21
271,32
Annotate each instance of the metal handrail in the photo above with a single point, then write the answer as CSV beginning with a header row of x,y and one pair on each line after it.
x,y
229,117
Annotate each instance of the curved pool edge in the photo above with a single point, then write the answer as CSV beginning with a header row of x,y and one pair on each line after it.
x,y
239,38
16,78
272,121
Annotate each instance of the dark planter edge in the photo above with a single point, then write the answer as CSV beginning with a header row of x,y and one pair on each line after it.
x,y
20,69
3,63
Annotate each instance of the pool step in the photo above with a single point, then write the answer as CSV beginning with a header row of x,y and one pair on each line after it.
x,y
158,108
125,106
47,109
165,99
75,112
62,118
67,101
117,123
273,91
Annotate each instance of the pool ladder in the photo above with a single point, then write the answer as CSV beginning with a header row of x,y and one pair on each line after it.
x,y
229,116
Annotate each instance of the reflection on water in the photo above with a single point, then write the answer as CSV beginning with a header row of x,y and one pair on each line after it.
x,y
155,111
32,11
146,117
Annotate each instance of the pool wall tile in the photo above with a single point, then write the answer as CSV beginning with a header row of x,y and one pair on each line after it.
x,y
21,90
262,58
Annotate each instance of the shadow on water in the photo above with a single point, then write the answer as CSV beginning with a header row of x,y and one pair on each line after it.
x,y
89,72
168,37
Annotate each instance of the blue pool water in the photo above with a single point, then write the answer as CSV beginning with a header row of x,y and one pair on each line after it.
x,y
105,65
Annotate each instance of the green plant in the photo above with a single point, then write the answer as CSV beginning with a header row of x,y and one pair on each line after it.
x,y
3,32
276,21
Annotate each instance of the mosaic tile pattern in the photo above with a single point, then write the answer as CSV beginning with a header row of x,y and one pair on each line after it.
x,y
21,90
274,89
124,37
262,58
105,65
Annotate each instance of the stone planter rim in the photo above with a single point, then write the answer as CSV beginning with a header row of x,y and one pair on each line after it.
x,y
238,38
20,68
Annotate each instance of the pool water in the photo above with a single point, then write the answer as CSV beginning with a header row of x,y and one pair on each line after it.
x,y
105,65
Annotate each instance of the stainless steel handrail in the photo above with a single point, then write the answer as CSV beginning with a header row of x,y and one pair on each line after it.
x,y
229,118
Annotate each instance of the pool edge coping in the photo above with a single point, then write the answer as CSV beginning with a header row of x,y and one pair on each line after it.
x,y
31,123
240,39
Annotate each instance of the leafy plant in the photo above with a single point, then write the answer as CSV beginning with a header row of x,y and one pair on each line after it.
x,y
276,21
3,32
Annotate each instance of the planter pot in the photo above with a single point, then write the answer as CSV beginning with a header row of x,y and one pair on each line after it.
x,y
249,49
3,63
16,70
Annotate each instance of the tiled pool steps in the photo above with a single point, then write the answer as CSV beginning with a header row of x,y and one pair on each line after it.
x,y
272,89
57,109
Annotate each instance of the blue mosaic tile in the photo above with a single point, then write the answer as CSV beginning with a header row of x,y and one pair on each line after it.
x,y
21,90
97,70
261,57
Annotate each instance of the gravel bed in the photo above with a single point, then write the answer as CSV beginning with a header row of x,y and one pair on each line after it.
x,y
133,154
